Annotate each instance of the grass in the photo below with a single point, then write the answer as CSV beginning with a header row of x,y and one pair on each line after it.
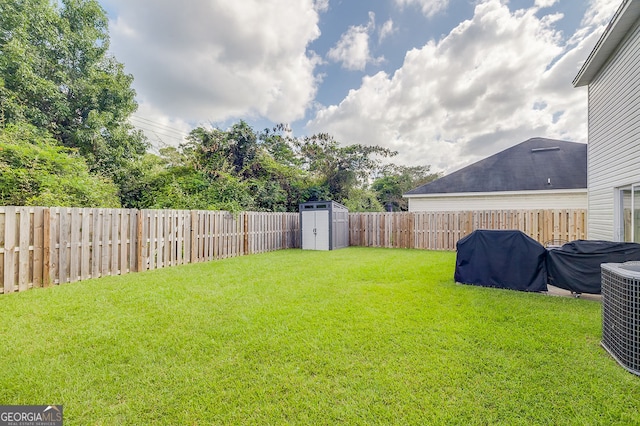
x,y
353,336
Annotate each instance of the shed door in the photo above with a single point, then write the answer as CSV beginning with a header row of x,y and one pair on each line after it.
x,y
315,230
309,230
322,228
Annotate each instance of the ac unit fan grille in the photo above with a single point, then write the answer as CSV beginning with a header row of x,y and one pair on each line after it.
x,y
621,316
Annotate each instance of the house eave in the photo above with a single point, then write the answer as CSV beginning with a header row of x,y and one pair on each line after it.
x,y
625,17
497,193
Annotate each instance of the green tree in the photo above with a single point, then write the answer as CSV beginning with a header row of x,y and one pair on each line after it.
x,y
396,180
261,170
56,74
36,171
223,162
281,168
240,169
362,200
280,146
187,188
142,174
340,168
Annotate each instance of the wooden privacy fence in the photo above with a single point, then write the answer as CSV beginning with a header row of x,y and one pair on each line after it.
x,y
42,246
442,230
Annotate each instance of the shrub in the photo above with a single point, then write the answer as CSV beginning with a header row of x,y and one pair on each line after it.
x,y
35,171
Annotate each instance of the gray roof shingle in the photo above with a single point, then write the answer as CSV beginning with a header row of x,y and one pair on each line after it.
x,y
533,165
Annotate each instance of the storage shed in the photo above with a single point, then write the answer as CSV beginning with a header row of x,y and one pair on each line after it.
x,y
324,225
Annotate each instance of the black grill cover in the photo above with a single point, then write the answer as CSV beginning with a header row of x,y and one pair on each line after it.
x,y
504,259
576,265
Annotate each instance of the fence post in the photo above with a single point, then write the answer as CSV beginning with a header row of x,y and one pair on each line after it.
x,y
194,227
283,231
23,255
46,248
38,227
139,247
245,229
412,227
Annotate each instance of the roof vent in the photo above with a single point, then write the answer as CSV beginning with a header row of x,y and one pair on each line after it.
x,y
551,148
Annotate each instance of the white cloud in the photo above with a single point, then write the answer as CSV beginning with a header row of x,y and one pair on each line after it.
x,y
218,59
352,50
495,80
545,3
386,30
429,7
600,12
321,5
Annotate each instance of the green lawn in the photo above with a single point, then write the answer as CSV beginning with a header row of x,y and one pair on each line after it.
x,y
353,336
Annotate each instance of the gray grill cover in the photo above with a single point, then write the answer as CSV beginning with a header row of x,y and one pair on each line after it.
x,y
504,259
576,265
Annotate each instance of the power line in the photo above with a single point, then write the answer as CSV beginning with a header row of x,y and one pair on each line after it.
x,y
156,124
159,133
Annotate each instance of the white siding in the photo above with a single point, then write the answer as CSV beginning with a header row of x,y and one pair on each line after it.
x,y
498,201
613,153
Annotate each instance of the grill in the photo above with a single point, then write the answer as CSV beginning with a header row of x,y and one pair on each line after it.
x,y
621,313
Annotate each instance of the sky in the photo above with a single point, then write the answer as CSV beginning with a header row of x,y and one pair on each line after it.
x,y
443,82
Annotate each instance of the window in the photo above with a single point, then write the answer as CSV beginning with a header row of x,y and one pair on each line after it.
x,y
630,213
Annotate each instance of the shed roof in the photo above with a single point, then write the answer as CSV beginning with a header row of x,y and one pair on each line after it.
x,y
533,165
624,19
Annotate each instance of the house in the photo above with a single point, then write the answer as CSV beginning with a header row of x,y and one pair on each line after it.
x,y
538,173
612,75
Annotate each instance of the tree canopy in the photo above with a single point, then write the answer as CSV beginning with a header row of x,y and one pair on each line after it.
x,y
56,74
66,139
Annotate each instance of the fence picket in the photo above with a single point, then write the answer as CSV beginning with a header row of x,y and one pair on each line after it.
x,y
123,243
23,253
74,245
114,241
85,253
9,248
106,239
63,245
210,240
38,246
